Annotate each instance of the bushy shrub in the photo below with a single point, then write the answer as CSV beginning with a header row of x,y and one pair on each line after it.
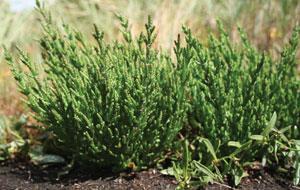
x,y
245,107
234,90
114,105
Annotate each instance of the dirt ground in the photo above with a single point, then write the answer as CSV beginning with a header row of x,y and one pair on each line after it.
x,y
23,176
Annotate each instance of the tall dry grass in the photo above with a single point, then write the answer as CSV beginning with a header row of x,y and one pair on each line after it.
x,y
268,23
13,30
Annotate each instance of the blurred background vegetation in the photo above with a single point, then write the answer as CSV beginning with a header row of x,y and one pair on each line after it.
x,y
268,24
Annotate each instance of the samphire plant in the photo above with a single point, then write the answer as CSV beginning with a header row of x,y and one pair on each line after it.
x,y
233,92
116,105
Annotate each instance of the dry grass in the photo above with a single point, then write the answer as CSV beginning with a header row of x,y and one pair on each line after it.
x,y
268,23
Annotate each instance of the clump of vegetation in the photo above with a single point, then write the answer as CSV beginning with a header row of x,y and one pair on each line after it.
x,y
121,105
116,105
234,91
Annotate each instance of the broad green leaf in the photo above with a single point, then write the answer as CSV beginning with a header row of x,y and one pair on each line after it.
x,y
234,144
270,125
238,175
205,170
296,177
209,147
257,137
47,159
168,171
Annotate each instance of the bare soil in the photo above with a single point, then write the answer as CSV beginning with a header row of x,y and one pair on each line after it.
x,y
23,176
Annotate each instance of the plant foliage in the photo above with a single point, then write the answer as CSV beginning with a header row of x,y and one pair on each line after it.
x,y
233,90
116,105
121,104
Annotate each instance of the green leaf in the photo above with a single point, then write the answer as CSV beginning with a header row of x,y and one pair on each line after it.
x,y
209,147
257,137
296,177
238,174
264,160
234,144
168,171
270,126
205,170
47,159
